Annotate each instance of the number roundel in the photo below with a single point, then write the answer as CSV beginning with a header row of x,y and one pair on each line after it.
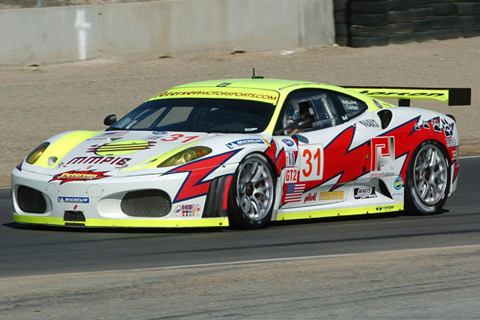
x,y
311,162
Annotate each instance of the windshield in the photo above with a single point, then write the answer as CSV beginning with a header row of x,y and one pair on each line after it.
x,y
198,115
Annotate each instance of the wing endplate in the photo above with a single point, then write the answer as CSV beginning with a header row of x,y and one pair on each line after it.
x,y
452,96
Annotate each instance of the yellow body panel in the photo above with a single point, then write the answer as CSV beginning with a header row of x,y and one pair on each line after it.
x,y
338,212
62,146
137,223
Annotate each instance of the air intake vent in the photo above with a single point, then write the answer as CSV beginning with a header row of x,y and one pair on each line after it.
x,y
31,200
146,203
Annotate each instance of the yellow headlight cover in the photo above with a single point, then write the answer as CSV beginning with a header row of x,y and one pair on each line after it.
x,y
37,153
185,156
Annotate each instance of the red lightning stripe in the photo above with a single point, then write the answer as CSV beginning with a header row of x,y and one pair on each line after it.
x,y
408,136
194,186
278,159
351,164
339,160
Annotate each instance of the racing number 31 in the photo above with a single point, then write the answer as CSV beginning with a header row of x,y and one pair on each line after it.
x,y
311,162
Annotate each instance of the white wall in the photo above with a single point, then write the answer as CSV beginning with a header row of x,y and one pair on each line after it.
x,y
147,30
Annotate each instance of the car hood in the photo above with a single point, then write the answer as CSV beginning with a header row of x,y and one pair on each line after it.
x,y
112,150
127,152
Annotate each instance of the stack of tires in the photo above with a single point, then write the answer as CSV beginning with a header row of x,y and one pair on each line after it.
x,y
445,19
400,26
364,23
342,21
421,12
469,18
368,23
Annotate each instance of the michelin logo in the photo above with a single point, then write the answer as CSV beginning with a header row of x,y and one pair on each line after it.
x,y
73,199
242,142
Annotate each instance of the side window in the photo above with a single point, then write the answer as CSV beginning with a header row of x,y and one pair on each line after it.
x,y
326,114
308,103
351,106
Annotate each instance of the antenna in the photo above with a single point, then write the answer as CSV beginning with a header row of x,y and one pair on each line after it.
x,y
256,77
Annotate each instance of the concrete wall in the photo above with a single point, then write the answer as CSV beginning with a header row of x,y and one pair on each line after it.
x,y
149,30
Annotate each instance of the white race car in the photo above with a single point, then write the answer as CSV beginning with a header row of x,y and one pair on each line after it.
x,y
242,153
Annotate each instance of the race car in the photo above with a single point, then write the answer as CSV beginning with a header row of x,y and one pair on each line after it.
x,y
246,152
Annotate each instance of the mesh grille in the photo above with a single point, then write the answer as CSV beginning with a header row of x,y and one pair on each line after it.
x,y
146,203
31,200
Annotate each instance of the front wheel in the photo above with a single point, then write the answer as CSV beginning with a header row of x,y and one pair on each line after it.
x,y
252,194
428,179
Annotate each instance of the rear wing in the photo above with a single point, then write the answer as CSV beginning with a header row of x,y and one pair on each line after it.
x,y
453,96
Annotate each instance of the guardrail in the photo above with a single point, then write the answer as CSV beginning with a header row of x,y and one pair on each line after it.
x,y
148,30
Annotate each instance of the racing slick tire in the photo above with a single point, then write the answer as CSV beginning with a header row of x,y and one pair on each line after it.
x,y
252,194
427,180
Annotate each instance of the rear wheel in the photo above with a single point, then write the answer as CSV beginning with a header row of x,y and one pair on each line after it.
x,y
428,179
252,194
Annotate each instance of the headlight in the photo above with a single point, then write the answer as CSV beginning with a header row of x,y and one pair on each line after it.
x,y
37,152
185,156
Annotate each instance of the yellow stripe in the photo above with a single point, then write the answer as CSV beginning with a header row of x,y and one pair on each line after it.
x,y
339,212
140,223
64,145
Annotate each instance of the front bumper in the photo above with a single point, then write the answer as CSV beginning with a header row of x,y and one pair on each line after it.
x,y
101,203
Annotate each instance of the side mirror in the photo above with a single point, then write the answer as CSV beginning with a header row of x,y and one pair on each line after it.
x,y
110,119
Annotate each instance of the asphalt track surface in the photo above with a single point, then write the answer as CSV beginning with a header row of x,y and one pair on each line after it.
x,y
44,251
391,267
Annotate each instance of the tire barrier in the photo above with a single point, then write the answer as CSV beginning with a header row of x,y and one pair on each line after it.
x,y
365,23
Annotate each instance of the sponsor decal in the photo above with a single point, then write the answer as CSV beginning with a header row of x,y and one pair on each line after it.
x,y
451,142
402,93
188,210
288,142
398,183
242,142
118,161
331,195
437,124
294,192
119,148
310,197
383,156
113,134
385,208
454,155
290,159
423,125
76,175
369,123
73,199
154,137
291,175
350,105
397,194
364,193
217,93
